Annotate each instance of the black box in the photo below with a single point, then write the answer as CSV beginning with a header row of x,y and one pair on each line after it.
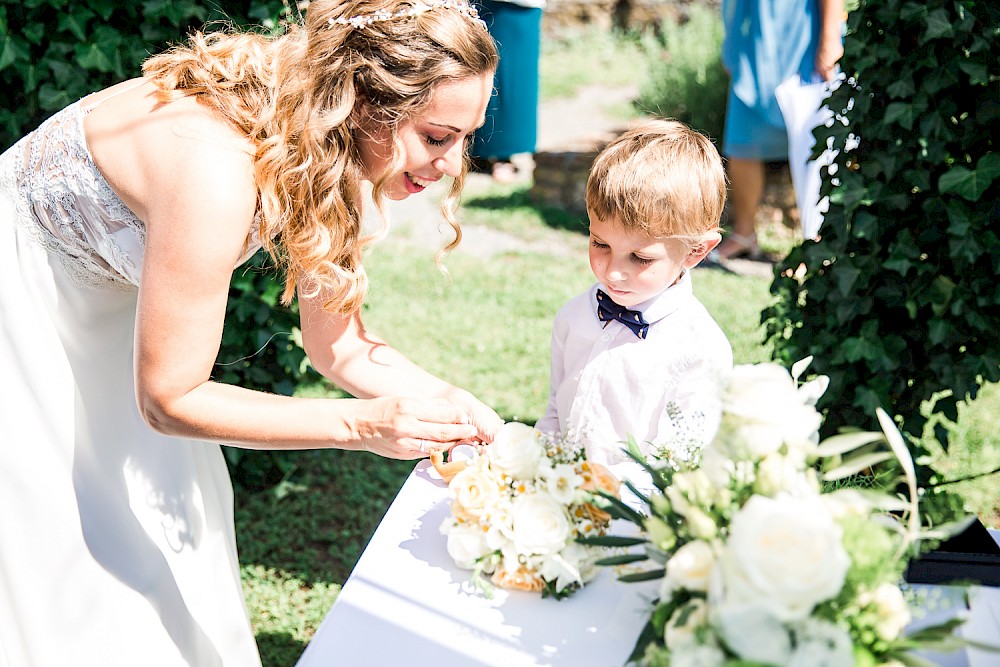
x,y
972,556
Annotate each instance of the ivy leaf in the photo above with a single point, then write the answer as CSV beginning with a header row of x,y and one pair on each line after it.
x,y
11,51
51,98
92,57
901,113
76,22
971,184
938,25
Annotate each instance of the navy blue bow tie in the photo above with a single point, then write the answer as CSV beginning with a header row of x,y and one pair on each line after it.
x,y
608,310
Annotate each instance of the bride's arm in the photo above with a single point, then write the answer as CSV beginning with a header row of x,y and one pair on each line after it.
x,y
358,361
198,200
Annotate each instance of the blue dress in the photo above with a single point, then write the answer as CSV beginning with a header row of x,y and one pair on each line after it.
x,y
512,115
766,42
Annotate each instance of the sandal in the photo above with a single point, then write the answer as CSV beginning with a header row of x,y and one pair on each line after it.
x,y
745,247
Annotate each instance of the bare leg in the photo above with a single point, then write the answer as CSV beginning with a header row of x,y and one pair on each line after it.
x,y
746,185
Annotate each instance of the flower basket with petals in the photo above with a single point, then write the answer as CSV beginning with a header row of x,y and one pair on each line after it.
x,y
765,556
518,508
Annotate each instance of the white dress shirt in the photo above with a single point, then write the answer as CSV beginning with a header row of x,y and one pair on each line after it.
x,y
664,390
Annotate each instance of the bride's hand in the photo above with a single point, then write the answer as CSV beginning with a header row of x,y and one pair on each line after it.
x,y
411,428
483,417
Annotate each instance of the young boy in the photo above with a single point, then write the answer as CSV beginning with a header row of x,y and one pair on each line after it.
x,y
637,354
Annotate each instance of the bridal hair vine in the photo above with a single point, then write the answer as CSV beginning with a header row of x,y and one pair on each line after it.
x,y
364,20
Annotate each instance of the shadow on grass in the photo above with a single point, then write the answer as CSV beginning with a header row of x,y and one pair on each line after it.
x,y
279,649
519,199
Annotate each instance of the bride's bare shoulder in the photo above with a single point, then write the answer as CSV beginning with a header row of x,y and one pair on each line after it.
x,y
145,146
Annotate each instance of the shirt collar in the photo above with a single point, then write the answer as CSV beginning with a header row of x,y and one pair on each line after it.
x,y
661,305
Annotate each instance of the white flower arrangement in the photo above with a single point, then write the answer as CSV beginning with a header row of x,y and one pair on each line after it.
x,y
758,563
518,507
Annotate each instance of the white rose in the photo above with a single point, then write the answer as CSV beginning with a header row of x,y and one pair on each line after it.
x,y
690,567
784,554
891,610
473,491
517,450
466,545
752,632
763,410
820,643
540,523
684,622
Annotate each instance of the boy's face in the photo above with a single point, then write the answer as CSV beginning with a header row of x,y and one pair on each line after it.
x,y
634,267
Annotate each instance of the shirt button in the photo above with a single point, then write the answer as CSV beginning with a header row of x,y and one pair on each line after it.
x,y
606,337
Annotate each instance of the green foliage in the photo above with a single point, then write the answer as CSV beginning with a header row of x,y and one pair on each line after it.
x,y
687,81
898,301
261,349
53,52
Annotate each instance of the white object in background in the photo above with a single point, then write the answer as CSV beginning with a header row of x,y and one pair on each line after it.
x,y
802,108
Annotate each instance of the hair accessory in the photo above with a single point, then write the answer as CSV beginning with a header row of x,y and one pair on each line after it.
x,y
364,20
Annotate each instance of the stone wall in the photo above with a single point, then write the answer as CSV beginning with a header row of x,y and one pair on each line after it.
x,y
559,180
564,15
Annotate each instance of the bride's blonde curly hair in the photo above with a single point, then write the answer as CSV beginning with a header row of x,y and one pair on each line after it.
x,y
293,96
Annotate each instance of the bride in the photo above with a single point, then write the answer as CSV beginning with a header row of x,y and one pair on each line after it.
x,y
121,220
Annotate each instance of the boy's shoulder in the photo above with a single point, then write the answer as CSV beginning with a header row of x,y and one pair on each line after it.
x,y
579,305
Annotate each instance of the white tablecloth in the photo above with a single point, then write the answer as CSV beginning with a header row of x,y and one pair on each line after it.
x,y
406,603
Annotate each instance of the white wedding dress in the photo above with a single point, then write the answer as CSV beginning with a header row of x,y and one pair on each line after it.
x,y
117,544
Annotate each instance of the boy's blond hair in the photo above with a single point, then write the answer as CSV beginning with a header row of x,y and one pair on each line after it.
x,y
662,179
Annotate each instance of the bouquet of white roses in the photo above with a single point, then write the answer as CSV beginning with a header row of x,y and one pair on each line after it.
x,y
517,509
759,565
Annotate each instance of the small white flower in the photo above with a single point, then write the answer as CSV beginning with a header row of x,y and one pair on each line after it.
x,y
684,622
562,482
891,609
697,655
820,643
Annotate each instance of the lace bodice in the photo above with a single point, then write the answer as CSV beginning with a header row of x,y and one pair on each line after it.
x,y
70,209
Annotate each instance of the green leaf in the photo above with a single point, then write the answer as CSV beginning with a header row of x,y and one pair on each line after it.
x,y
651,575
611,541
92,57
938,25
901,113
964,182
51,98
626,559
76,22
11,51
989,166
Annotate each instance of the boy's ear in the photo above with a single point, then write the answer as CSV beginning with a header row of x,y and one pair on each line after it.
x,y
701,249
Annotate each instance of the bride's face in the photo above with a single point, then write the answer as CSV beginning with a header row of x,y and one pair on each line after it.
x,y
433,142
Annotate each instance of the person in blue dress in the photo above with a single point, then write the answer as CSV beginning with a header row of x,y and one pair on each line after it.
x,y
766,42
512,115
